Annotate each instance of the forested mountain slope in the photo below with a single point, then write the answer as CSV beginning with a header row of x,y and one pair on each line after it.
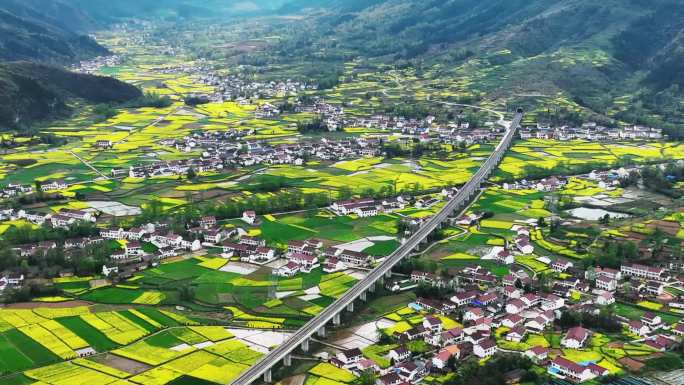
x,y
52,33
596,51
31,92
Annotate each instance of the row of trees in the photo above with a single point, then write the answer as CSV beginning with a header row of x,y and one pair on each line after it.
x,y
614,253
605,321
494,371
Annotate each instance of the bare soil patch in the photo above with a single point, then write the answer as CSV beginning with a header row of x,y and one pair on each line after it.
x,y
121,363
53,305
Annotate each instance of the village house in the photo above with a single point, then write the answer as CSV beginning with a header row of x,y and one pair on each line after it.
x,y
133,234
332,265
515,306
260,255
15,279
61,221
484,349
107,271
411,371
523,244
655,288
133,248
166,252
305,262
290,269
661,342
678,329
103,143
504,257
638,328
441,359
249,217
451,336
367,365
399,354
348,207
550,184
230,249
463,299
509,280
537,354
473,314
561,265
511,321
207,222
575,338
644,272
350,358
516,334
417,332
252,241
541,322
436,306
112,233
426,278
432,324
606,272
354,258
564,368
391,378
551,302
511,292
214,236
651,319
53,185
605,298
605,283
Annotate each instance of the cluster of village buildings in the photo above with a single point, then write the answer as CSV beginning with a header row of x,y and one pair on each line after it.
x,y
496,311
370,207
15,190
218,155
232,87
94,65
253,152
63,219
591,131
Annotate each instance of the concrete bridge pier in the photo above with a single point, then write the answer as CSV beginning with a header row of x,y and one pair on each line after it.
x,y
337,320
267,376
321,332
388,274
363,296
287,361
372,288
381,280
305,346
350,307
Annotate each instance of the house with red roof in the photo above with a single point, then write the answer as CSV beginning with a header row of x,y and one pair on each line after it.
x,y
512,320
638,328
516,334
515,306
537,354
651,319
473,314
563,368
484,349
575,338
678,329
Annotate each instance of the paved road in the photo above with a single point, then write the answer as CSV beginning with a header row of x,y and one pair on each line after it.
x,y
310,328
85,162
